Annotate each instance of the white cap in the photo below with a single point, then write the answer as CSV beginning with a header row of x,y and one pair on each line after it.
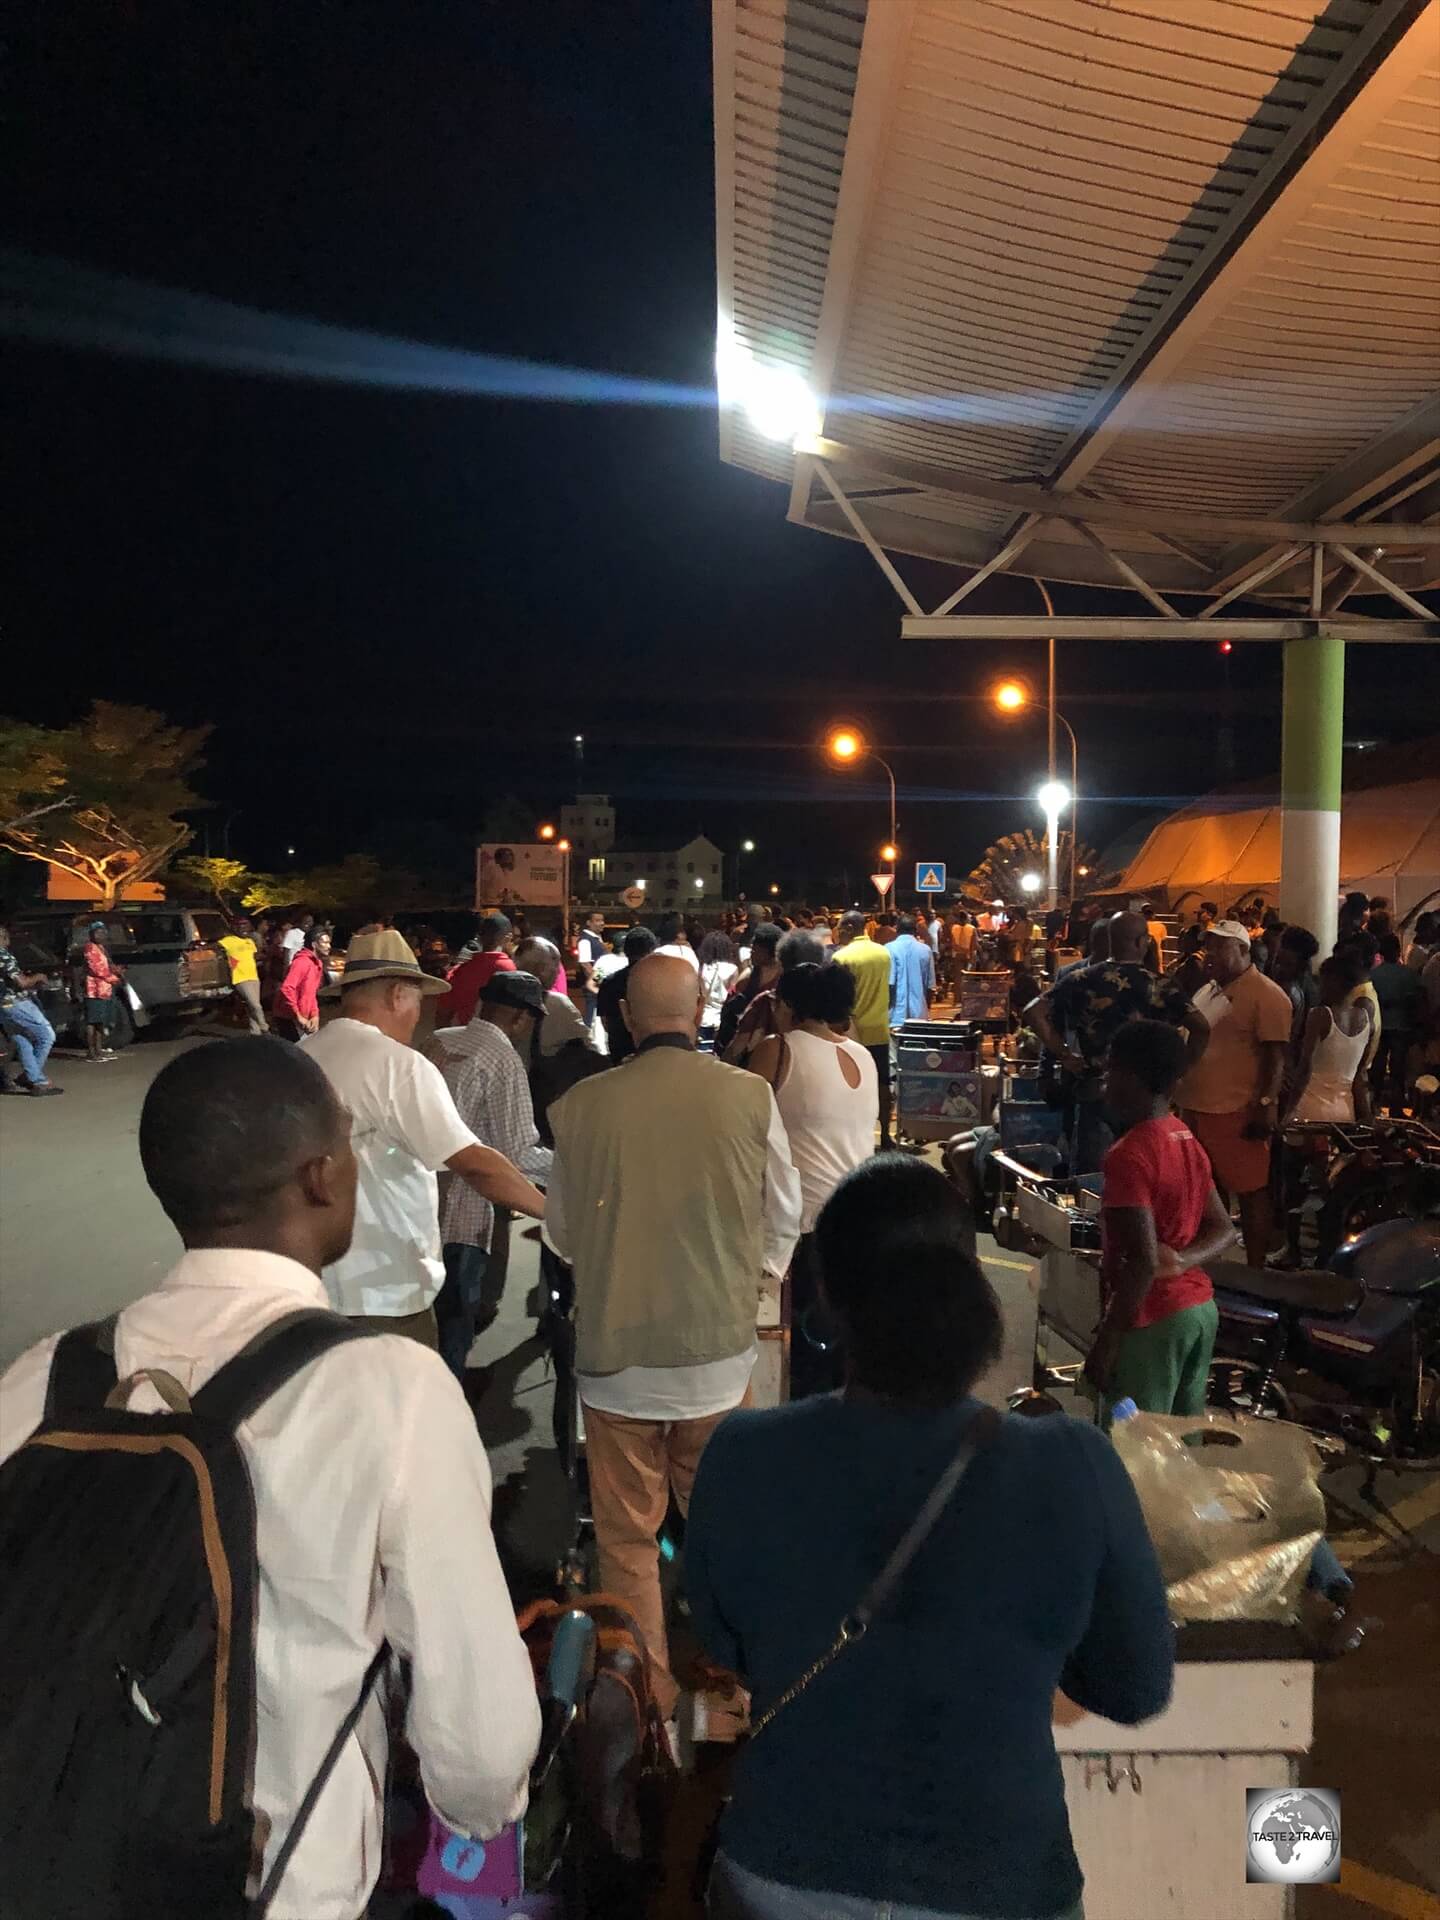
x,y
1228,930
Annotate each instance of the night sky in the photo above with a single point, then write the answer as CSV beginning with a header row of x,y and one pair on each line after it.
x,y
398,607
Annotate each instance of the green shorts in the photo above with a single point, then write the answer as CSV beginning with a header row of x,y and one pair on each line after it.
x,y
1164,1368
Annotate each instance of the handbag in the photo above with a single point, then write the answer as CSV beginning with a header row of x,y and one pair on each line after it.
x,y
980,1433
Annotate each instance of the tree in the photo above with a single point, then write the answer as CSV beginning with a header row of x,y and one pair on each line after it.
x,y
99,800
998,874
227,880
358,880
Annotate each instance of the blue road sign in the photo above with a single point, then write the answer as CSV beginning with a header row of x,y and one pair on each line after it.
x,y
930,876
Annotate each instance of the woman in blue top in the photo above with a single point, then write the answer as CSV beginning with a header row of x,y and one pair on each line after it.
x,y
917,1776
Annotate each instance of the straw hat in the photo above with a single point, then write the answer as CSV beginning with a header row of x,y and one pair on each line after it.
x,y
382,956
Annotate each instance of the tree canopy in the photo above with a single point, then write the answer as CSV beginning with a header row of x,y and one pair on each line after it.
x,y
99,800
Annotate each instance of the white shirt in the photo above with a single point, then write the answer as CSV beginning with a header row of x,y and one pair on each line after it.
x,y
406,1128
676,952
830,1124
292,943
372,1504
695,1392
716,979
607,964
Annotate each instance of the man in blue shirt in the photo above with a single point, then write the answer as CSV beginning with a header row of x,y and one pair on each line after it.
x,y
912,974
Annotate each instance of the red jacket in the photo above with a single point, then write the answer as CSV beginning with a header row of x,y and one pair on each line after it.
x,y
465,984
299,994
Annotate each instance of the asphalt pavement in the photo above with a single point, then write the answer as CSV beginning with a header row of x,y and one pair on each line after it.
x,y
80,1235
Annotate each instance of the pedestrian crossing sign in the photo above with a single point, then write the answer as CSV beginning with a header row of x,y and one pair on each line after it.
x,y
930,876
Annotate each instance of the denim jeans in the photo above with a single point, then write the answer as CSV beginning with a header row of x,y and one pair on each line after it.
x,y
461,1307
737,1894
33,1036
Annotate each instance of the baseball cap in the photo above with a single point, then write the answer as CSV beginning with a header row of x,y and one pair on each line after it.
x,y
514,990
1228,930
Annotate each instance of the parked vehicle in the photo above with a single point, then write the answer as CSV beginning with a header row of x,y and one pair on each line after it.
x,y
173,963
1353,1354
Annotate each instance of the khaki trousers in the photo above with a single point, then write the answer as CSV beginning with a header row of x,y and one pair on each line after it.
x,y
634,1464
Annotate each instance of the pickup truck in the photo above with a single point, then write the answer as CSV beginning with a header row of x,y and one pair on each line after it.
x,y
171,956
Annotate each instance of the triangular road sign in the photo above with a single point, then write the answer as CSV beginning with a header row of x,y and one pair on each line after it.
x,y
882,883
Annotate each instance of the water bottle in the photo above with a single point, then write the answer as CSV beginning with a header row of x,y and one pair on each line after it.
x,y
1124,1409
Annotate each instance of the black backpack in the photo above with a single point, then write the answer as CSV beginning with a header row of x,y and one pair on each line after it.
x,y
128,1584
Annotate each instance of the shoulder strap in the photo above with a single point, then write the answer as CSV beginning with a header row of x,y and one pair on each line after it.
x,y
980,1432
275,1355
82,1370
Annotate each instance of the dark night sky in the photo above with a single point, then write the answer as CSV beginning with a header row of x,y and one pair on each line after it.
x,y
398,606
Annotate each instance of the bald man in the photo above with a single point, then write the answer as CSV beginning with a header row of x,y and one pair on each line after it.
x,y
562,1023
674,1197
1081,1014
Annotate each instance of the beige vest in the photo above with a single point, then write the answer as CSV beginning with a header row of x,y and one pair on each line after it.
x,y
664,1162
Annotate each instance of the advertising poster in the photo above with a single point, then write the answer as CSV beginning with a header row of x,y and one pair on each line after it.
x,y
513,874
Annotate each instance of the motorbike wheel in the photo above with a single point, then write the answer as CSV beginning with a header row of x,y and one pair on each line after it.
x,y
1236,1386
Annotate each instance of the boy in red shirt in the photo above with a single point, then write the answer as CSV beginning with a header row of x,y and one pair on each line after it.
x,y
1161,1221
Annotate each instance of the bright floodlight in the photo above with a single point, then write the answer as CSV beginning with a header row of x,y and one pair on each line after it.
x,y
1053,797
892,854
1010,696
699,884
845,744
775,399
1030,883
747,846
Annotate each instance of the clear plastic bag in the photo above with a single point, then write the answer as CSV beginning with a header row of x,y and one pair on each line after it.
x,y
1233,1506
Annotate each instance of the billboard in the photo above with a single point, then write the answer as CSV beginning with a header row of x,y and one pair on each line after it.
x,y
511,873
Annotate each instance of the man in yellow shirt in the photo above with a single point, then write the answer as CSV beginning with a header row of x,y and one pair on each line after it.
x,y
870,964
239,949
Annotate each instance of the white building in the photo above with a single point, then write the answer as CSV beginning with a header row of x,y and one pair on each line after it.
x,y
689,876
589,826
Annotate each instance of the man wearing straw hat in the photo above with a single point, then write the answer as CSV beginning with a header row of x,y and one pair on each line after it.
x,y
405,1129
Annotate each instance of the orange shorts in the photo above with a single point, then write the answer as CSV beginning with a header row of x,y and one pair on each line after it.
x,y
1239,1165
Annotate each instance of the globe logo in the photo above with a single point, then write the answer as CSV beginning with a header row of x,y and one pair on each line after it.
x,y
1292,1835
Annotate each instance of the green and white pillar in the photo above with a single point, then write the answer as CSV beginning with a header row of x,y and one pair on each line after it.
x,y
1310,752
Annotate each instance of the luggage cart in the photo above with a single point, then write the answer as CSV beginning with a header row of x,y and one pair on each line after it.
x,y
940,1086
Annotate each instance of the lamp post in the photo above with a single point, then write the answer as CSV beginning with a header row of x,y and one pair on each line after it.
x,y
1011,697
1053,797
746,846
847,746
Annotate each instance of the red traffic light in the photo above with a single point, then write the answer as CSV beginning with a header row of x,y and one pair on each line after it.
x,y
1227,646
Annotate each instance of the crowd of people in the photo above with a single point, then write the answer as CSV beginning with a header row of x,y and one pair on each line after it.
x,y
692,1116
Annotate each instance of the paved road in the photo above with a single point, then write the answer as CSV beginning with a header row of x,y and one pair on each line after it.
x,y
80,1235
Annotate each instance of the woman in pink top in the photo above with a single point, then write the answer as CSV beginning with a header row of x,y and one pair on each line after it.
x,y
297,1004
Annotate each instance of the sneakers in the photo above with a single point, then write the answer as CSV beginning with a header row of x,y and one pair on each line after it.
x,y
45,1087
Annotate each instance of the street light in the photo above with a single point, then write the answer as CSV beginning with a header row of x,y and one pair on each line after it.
x,y
847,746
747,846
1011,697
774,888
547,832
890,852
699,884
1030,883
1053,799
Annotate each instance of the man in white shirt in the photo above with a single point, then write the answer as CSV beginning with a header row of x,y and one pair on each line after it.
x,y
481,1063
667,1284
406,1129
372,1490
675,942
294,936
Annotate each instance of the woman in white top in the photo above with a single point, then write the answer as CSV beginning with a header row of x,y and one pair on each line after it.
x,y
719,967
1330,1079
828,1093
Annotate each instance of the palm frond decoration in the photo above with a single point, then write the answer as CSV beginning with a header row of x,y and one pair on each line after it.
x,y
997,875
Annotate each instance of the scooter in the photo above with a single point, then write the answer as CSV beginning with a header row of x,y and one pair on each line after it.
x,y
1352,1354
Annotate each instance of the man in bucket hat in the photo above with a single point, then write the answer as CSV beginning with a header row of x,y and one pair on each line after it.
x,y
406,1128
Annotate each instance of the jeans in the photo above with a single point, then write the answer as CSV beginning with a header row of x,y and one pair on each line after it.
x,y
1093,1136
737,1894
462,1306
33,1036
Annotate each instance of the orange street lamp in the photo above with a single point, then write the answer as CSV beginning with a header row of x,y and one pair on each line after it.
x,y
1011,696
547,832
847,746
563,845
890,852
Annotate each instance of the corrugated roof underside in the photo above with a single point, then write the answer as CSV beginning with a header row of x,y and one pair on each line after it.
x,y
794,82
1329,346
1054,171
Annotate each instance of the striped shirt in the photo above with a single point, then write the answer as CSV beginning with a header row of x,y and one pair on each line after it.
x,y
489,1087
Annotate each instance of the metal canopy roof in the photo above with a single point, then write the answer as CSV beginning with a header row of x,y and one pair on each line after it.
x,y
1176,255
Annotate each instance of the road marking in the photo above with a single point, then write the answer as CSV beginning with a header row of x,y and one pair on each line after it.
x,y
1385,1894
1412,1513
1015,1266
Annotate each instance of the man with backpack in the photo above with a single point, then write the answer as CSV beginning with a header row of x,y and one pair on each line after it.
x,y
223,1555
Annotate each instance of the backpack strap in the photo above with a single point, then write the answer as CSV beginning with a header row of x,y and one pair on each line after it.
x,y
82,1370
275,1355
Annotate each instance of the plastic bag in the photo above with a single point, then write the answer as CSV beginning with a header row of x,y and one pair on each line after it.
x,y
1233,1506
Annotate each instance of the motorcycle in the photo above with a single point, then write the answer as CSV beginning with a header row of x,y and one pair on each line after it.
x,y
1354,1176
1352,1354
